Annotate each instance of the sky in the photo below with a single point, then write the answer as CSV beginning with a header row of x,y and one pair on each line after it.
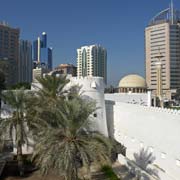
x,y
117,25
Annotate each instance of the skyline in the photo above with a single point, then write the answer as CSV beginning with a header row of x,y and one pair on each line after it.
x,y
70,25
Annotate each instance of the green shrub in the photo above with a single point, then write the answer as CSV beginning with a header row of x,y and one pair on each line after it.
x,y
109,173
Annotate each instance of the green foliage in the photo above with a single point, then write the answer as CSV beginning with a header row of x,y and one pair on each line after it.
x,y
2,81
109,173
52,86
24,85
16,121
175,108
60,121
70,145
64,142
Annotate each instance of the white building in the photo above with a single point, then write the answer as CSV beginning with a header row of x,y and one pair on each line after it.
x,y
92,61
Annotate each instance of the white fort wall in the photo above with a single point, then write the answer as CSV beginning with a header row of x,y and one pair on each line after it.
x,y
140,127
93,88
143,99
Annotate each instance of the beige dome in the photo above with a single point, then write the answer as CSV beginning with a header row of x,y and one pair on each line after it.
x,y
132,81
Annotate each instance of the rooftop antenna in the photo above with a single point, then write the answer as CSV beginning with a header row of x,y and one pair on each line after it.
x,y
172,12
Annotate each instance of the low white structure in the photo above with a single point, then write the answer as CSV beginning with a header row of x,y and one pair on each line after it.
x,y
140,127
93,89
143,99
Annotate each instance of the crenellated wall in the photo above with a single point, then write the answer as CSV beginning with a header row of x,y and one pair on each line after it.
x,y
143,99
140,127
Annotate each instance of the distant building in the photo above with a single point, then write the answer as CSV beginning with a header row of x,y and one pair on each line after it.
x,y
50,58
132,83
92,61
25,61
9,51
38,73
42,55
66,69
162,35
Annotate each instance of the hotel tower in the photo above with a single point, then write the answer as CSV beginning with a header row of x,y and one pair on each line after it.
x,y
162,37
92,61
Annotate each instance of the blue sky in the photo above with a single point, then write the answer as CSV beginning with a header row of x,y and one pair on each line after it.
x,y
115,24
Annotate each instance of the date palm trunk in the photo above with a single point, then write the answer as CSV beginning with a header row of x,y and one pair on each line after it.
x,y
20,159
19,148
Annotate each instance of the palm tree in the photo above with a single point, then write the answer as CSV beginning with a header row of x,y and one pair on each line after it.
x,y
16,124
52,87
51,92
2,84
70,144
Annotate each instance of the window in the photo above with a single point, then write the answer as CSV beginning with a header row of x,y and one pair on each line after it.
x,y
95,115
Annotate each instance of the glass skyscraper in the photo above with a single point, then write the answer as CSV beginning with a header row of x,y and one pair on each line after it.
x,y
42,55
25,61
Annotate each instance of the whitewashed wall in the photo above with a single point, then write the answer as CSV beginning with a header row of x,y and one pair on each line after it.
x,y
142,127
143,99
93,88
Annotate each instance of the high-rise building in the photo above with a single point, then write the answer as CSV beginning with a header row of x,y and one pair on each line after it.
x,y
42,55
92,61
9,51
66,69
44,40
50,58
162,35
25,61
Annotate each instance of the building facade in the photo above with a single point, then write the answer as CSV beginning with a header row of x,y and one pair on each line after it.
x,y
9,51
42,55
92,61
25,61
66,69
163,36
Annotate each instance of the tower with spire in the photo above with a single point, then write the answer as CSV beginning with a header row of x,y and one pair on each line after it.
x,y
163,35
42,55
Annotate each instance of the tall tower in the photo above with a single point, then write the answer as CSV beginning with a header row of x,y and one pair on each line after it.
x,y
44,40
25,61
9,51
163,34
42,55
92,61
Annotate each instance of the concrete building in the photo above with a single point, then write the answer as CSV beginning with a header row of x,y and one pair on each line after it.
x,y
132,83
25,61
9,51
38,73
92,61
66,69
163,35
